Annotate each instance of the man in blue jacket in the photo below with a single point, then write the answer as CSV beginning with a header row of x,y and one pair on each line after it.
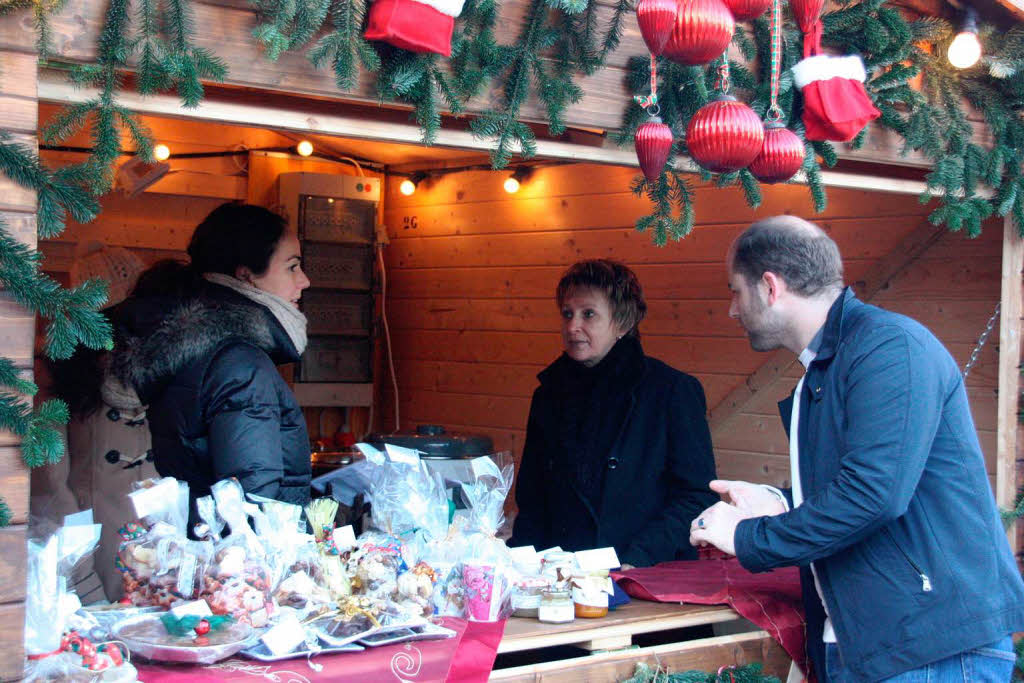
x,y
906,570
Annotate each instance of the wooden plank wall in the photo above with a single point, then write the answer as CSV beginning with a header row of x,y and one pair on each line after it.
x,y
18,111
472,273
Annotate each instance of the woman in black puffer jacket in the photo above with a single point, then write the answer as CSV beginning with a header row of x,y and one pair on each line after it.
x,y
200,342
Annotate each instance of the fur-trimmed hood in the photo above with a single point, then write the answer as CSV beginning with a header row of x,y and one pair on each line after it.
x,y
159,337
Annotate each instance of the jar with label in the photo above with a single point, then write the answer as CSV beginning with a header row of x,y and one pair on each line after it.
x,y
526,595
590,593
558,566
556,607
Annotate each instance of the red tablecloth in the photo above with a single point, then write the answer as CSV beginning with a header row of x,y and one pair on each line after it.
x,y
772,600
466,658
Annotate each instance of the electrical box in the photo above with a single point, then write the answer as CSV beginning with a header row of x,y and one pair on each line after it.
x,y
335,217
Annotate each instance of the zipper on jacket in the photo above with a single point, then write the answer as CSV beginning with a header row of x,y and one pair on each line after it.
x,y
926,583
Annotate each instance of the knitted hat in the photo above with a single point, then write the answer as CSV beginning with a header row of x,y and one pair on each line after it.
x,y
118,266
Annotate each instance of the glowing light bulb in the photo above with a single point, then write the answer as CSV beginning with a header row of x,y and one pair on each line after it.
x,y
407,187
304,148
511,185
161,152
965,50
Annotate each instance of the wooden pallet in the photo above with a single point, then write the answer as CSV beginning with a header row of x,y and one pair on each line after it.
x,y
614,657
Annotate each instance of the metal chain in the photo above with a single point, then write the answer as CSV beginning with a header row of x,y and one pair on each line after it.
x,y
981,341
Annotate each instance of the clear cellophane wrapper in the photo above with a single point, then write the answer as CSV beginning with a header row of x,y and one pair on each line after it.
x,y
406,497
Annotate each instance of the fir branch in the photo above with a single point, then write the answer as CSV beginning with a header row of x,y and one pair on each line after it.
x,y
503,125
673,215
344,46
5,513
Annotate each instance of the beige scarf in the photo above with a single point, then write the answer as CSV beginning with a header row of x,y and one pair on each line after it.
x,y
292,319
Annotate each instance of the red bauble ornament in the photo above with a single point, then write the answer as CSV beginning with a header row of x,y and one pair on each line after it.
x,y
782,155
702,31
653,142
656,18
203,627
806,12
745,10
724,135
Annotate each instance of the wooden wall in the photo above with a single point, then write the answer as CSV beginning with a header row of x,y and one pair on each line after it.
x,y
18,109
472,272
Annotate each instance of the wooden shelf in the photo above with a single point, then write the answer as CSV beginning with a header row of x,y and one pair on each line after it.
x,y
330,394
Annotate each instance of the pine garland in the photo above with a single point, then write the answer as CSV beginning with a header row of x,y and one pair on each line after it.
x,y
750,673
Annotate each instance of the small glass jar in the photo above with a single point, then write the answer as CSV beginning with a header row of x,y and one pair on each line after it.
x,y
558,566
556,607
526,596
590,594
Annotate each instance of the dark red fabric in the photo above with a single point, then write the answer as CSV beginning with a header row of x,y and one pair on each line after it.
x,y
771,600
466,658
411,26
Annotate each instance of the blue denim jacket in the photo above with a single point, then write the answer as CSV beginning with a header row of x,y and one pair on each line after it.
x,y
898,517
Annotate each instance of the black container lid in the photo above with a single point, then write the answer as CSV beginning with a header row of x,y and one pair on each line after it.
x,y
433,441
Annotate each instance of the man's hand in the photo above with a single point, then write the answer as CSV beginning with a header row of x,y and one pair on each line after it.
x,y
753,500
717,526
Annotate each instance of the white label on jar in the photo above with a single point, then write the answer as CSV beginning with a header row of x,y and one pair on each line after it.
x,y
557,613
525,600
589,598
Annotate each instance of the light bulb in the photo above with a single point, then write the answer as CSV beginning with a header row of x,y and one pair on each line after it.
x,y
965,50
304,148
511,185
161,152
407,187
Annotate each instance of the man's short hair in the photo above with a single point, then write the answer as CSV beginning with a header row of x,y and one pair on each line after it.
x,y
796,250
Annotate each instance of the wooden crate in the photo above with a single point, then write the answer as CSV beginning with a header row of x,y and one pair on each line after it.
x,y
337,359
338,266
330,312
337,219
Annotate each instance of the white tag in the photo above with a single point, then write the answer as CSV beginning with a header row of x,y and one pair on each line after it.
x,y
524,556
594,560
284,637
406,456
485,467
155,498
187,575
196,607
344,537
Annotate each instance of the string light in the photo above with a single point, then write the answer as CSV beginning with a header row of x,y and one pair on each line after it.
x,y
161,152
515,181
409,185
304,148
965,50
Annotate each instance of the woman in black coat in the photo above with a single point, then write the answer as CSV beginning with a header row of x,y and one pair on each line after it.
x,y
200,344
618,451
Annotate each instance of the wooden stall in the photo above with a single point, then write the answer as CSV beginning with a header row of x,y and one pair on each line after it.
x,y
471,270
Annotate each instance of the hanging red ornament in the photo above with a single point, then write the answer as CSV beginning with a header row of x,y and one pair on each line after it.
x,y
806,12
724,135
782,154
702,31
656,18
653,142
745,10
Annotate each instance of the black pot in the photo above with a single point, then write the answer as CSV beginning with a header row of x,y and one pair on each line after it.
x,y
436,443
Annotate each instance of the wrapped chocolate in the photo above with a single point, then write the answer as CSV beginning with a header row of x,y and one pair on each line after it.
x,y
321,513
237,583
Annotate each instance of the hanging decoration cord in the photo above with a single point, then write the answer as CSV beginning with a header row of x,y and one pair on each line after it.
x,y
774,113
722,81
649,103
981,341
